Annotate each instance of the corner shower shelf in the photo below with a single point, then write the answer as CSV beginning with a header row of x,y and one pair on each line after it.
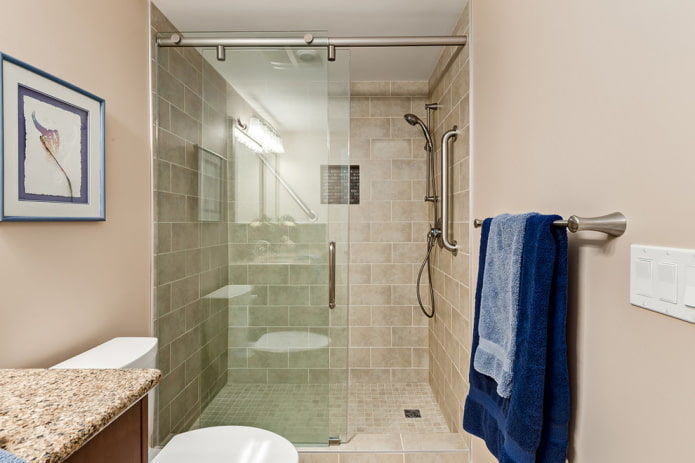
x,y
290,341
229,292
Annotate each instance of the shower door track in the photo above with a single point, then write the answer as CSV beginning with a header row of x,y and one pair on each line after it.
x,y
309,41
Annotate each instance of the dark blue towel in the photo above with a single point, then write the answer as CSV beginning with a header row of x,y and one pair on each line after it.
x,y
532,425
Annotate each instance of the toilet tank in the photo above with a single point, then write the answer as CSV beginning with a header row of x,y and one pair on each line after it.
x,y
138,352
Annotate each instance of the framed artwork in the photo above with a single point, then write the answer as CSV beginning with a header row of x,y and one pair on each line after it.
x,y
51,146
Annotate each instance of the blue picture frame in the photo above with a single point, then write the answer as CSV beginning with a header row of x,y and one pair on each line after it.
x,y
52,150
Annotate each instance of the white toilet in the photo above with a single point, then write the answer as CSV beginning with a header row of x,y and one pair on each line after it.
x,y
219,444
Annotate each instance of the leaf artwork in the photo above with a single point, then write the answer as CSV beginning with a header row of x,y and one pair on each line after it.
x,y
50,139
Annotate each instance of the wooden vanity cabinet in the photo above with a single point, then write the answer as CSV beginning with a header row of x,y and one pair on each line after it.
x,y
124,440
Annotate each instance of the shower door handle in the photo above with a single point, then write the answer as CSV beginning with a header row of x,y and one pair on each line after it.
x,y
331,275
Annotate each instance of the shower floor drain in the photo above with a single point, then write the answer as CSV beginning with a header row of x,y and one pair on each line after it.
x,y
412,413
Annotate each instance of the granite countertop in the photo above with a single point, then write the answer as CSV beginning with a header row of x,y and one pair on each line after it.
x,y
46,415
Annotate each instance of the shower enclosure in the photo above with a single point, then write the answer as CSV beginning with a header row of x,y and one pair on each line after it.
x,y
252,185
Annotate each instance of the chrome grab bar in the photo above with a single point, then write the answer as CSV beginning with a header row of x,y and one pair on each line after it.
x,y
331,275
450,245
293,194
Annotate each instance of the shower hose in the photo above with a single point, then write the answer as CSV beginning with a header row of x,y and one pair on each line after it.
x,y
431,240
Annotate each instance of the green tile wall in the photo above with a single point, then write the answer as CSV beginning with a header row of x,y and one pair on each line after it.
x,y
190,256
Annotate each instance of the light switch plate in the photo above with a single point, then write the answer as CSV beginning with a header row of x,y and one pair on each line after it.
x,y
663,280
689,298
643,279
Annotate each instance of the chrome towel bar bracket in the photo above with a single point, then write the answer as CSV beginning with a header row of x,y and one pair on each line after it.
x,y
613,224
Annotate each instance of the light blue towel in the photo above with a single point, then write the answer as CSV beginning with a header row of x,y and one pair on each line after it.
x,y
499,301
7,457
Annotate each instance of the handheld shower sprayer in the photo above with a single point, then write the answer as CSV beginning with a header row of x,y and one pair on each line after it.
x,y
430,195
413,120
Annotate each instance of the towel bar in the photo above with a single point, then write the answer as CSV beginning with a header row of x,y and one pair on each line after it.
x,y
613,224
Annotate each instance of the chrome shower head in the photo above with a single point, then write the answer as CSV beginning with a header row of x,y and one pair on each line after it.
x,y
412,119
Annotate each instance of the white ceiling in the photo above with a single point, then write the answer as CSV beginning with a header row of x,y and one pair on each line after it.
x,y
338,18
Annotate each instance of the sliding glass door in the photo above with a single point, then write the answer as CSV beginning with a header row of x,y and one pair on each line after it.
x,y
273,188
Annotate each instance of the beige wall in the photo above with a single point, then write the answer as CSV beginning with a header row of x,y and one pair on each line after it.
x,y
68,286
587,108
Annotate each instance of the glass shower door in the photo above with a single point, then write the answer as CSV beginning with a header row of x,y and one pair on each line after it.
x,y
287,126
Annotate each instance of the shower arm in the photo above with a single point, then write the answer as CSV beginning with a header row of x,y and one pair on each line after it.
x,y
313,217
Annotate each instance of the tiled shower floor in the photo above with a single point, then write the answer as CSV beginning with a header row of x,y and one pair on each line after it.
x,y
378,408
300,412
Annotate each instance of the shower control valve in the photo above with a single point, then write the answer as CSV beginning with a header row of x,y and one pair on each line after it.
x,y
435,232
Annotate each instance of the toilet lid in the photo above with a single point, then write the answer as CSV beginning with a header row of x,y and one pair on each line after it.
x,y
228,444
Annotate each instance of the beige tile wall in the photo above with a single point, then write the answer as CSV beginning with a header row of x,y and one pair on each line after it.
x,y
388,333
450,330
